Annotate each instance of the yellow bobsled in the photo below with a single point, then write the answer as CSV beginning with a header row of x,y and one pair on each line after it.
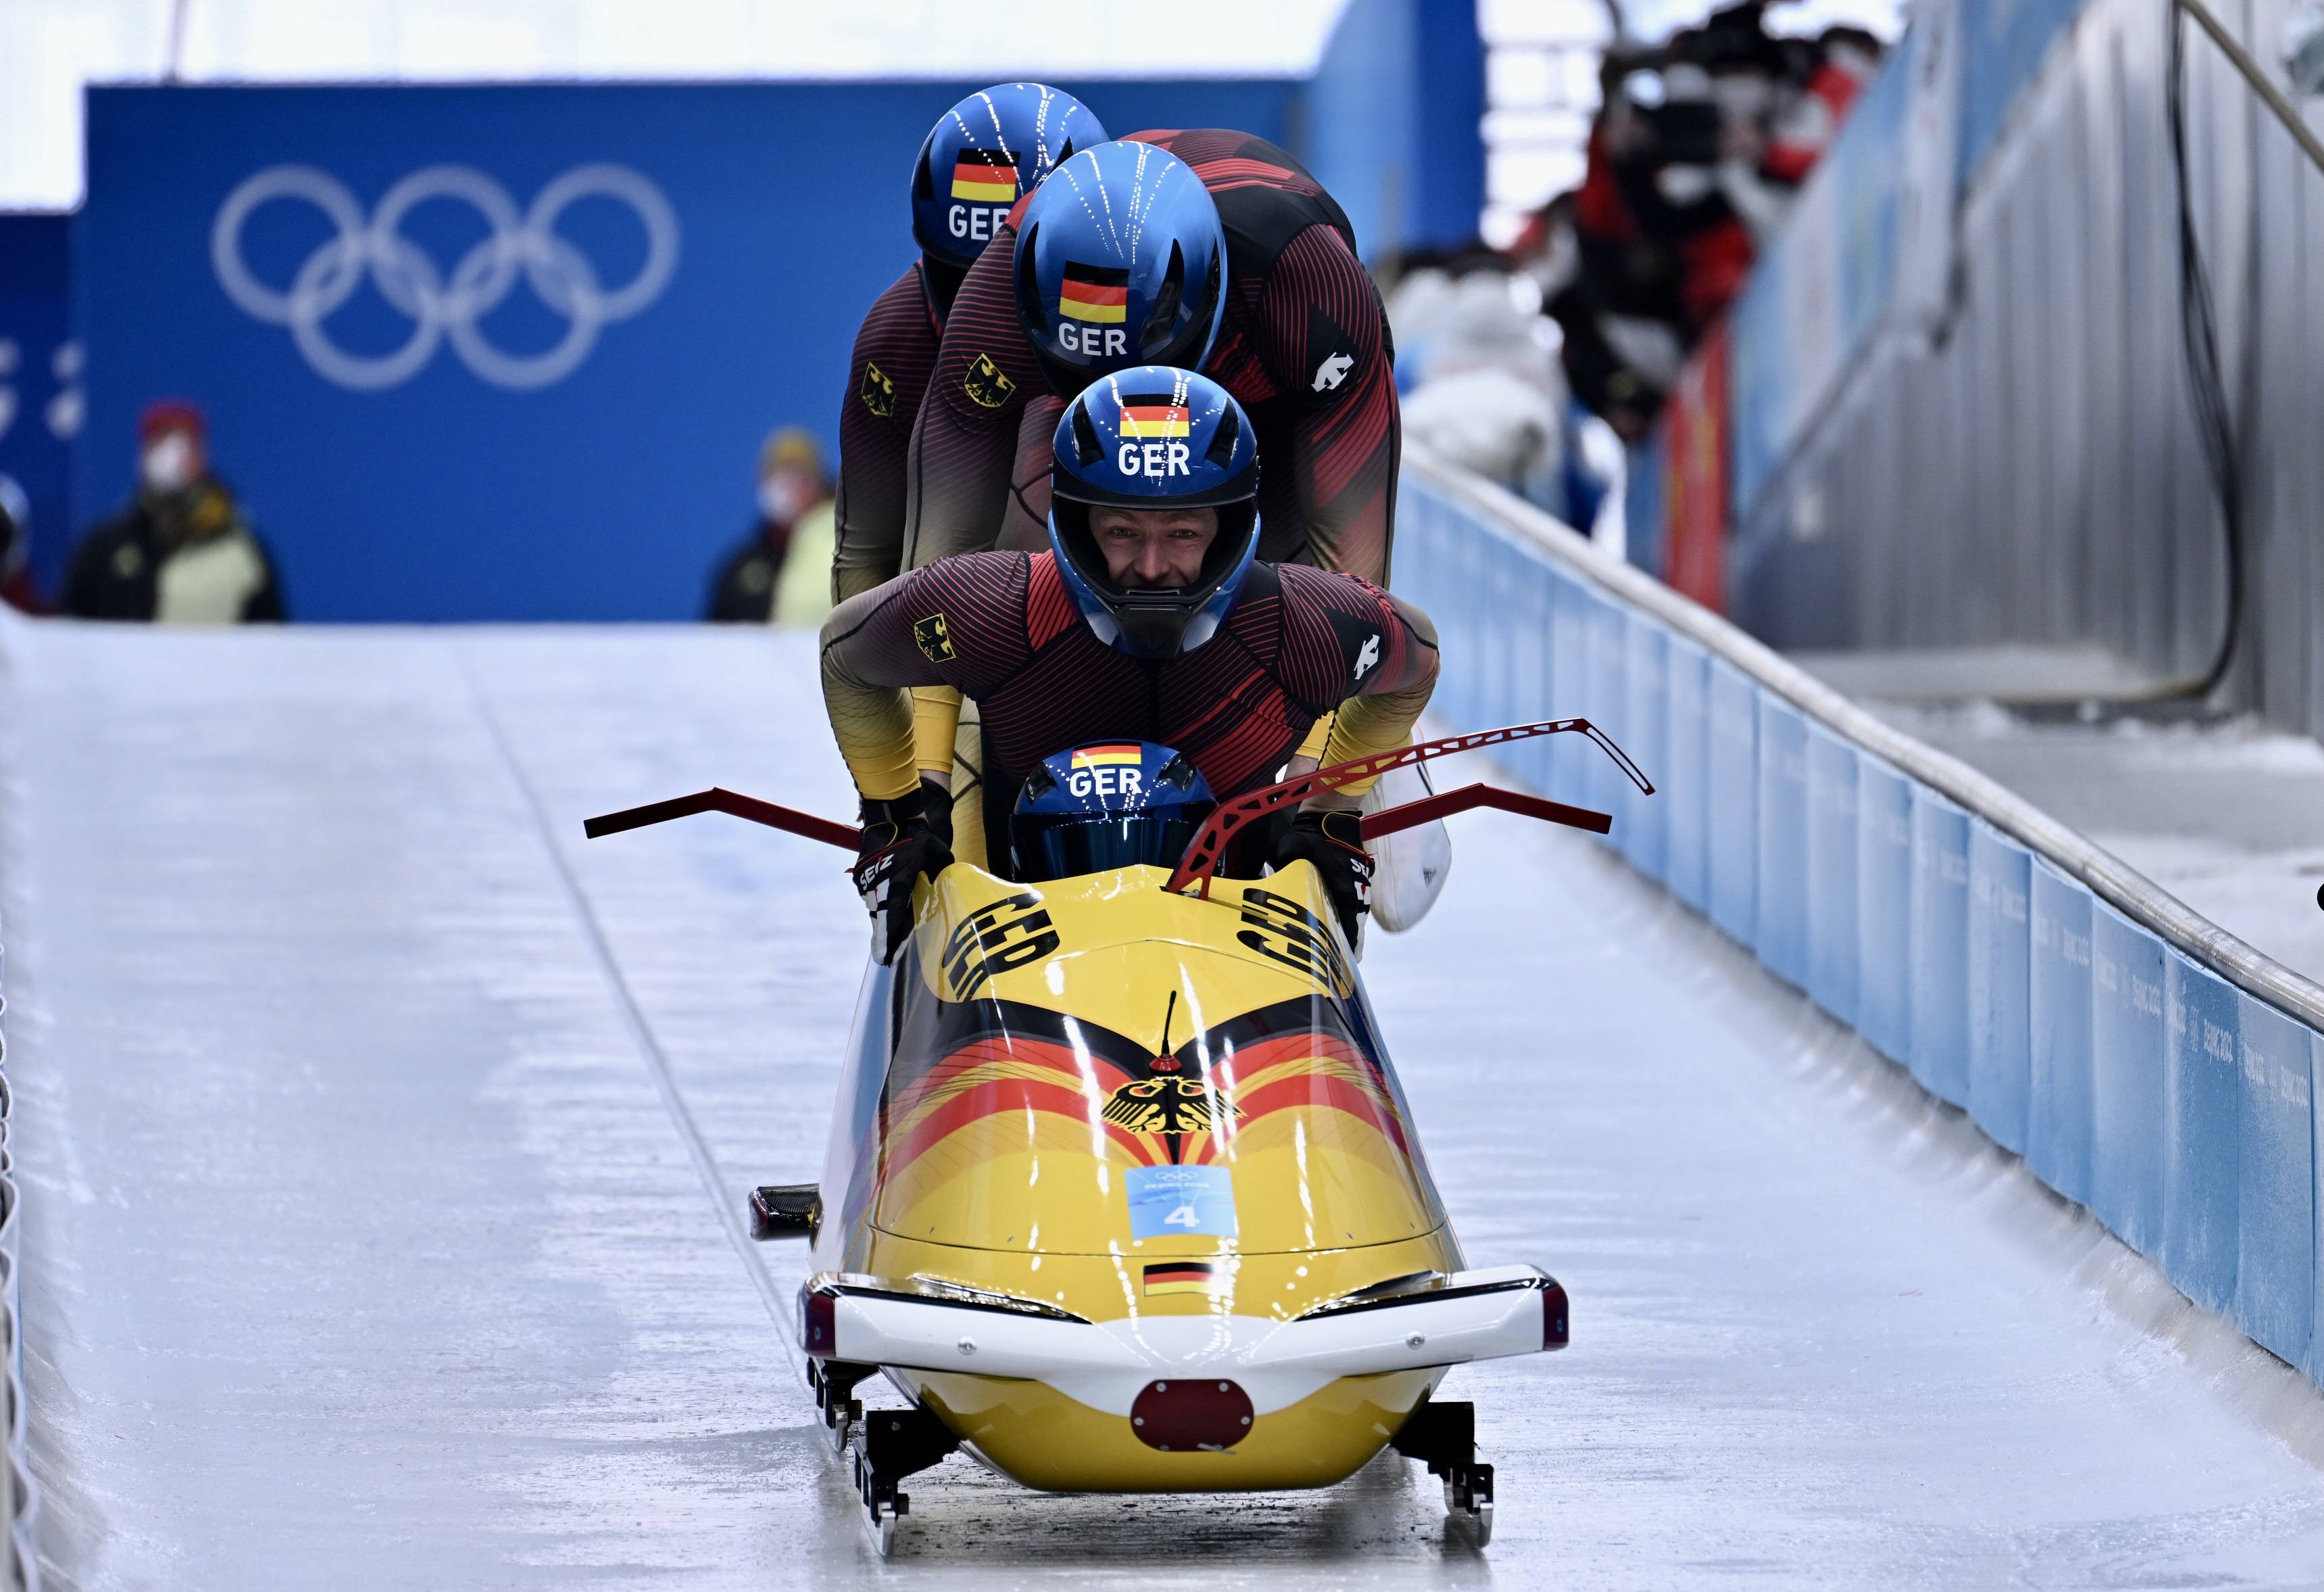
x,y
1122,1192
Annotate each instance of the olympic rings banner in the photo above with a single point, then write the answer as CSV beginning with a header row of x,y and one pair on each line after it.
x,y
495,352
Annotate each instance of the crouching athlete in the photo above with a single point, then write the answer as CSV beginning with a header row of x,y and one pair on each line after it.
x,y
1149,617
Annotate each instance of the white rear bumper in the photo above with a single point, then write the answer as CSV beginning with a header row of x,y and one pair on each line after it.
x,y
1479,1314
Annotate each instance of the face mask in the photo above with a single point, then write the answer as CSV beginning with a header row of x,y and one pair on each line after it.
x,y
168,466
785,496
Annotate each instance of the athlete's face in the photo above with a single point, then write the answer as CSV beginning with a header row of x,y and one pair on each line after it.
x,y
1154,548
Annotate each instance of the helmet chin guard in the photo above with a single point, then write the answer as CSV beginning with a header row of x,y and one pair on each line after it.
x,y
1153,438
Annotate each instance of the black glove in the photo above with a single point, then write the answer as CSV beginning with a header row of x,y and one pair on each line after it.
x,y
1334,843
898,845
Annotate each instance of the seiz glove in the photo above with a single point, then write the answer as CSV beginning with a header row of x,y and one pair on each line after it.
x,y
1334,842
899,845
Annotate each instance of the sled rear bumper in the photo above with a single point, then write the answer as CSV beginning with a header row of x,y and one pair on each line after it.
x,y
1478,1315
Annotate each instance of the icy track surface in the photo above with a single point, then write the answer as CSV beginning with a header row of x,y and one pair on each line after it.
x,y
383,1143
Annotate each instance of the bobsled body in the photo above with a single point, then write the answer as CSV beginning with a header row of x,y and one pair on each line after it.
x,y
1122,1188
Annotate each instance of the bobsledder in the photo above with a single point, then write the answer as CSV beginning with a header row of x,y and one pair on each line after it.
x,y
1122,1189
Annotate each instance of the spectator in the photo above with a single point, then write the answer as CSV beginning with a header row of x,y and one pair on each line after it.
x,y
180,553
17,587
781,574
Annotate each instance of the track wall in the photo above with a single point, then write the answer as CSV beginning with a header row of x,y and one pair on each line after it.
x,y
2146,1064
19,1567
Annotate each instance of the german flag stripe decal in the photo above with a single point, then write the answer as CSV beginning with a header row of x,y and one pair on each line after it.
x,y
1103,756
988,175
1098,294
1155,416
1183,1277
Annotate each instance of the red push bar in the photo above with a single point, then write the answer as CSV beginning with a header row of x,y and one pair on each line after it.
x,y
1200,861
715,800
1413,814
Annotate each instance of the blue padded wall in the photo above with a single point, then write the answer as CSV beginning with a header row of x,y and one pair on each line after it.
x,y
1646,718
1833,932
2203,1112
1939,915
2058,1106
1999,1024
2127,1069
1780,931
2275,1250
1686,840
1733,826
1884,908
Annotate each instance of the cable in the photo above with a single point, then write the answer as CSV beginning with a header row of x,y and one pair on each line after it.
x,y
2200,332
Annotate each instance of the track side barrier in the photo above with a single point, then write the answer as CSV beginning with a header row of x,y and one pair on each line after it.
x,y
2147,1064
19,1566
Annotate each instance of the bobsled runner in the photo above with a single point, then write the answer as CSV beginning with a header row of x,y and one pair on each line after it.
x,y
1121,1191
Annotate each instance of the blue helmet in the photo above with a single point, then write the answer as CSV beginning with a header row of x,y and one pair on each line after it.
x,y
984,154
1115,804
1120,260
1154,438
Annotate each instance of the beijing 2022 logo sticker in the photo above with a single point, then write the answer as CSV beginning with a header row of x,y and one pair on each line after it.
x,y
445,307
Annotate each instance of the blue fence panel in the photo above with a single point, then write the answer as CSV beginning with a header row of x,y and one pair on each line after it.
x,y
2275,1225
1831,887
1645,716
1533,596
2058,1106
2127,1069
1686,808
1571,779
2202,1104
1883,909
1999,1026
1939,917
1780,931
1731,802
1609,709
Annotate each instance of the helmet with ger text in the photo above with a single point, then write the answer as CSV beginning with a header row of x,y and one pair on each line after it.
x,y
1154,438
1120,260
982,155
1113,804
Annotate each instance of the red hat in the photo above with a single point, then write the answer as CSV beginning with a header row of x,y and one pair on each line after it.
x,y
171,415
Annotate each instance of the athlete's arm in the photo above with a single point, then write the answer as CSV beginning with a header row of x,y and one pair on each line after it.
x,y
1322,338
887,369
958,483
1386,699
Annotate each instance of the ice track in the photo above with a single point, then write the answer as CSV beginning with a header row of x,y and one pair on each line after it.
x,y
382,1142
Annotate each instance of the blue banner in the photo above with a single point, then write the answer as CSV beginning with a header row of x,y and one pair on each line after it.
x,y
1686,844
2276,1269
1780,934
1733,794
41,392
506,352
1834,937
1884,896
2058,1106
1608,700
2000,1025
1646,716
2127,1069
1574,778
2202,1110
1940,946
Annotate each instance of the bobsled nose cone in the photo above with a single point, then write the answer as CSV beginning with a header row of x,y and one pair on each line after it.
x,y
1186,1414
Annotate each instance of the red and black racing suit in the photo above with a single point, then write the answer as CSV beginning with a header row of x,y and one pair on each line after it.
x,y
1303,345
1003,629
887,377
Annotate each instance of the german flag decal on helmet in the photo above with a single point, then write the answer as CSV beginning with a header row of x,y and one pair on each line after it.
x,y
1099,294
1155,414
985,177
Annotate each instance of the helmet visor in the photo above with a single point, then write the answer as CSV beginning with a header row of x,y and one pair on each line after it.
x,y
1060,846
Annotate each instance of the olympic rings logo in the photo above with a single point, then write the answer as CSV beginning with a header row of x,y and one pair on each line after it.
x,y
559,273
